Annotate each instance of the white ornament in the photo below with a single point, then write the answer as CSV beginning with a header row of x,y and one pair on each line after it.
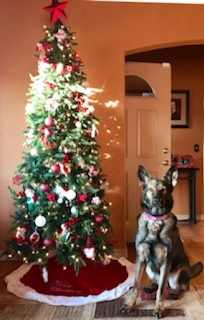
x,y
42,66
29,109
66,150
29,193
96,200
89,252
60,200
70,194
94,131
60,68
40,221
62,193
34,152
78,124
74,211
91,109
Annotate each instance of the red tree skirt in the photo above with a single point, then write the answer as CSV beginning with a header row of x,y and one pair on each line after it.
x,y
92,279
94,283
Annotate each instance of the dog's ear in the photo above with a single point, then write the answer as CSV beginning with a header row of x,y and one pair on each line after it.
x,y
143,176
171,176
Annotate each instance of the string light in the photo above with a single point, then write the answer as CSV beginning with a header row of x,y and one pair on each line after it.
x,y
112,104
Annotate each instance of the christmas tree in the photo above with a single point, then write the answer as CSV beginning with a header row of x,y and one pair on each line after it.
x,y
60,201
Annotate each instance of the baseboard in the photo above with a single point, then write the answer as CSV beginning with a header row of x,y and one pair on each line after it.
x,y
199,217
182,216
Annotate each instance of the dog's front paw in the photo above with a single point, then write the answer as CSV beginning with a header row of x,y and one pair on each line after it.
x,y
126,309
158,313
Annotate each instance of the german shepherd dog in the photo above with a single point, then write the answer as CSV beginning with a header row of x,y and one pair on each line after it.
x,y
158,245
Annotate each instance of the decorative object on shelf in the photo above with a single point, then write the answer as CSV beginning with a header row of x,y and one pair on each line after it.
x,y
180,109
184,161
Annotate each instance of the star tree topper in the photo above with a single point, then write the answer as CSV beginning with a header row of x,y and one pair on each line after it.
x,y
57,10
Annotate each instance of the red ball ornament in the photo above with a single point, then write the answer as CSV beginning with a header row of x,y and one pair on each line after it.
x,y
99,219
48,242
49,122
55,168
34,237
44,187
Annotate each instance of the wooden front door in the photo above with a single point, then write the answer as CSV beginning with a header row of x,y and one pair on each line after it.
x,y
148,132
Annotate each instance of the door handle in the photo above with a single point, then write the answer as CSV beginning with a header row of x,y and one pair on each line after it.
x,y
165,150
166,162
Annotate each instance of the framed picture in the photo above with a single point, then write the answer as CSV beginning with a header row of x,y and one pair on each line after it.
x,y
180,109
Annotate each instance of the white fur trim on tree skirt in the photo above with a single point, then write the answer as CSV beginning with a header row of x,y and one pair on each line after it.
x,y
16,287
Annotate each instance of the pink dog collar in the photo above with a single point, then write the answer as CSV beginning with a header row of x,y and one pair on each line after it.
x,y
153,218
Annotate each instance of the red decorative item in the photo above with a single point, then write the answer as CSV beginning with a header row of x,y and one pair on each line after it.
x,y
71,221
20,194
49,144
99,219
51,197
93,279
48,242
82,197
35,197
49,121
65,168
20,237
17,179
56,10
55,168
184,161
93,171
66,158
89,243
44,187
34,238
89,250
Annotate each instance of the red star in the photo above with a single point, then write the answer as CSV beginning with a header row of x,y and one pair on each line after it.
x,y
57,10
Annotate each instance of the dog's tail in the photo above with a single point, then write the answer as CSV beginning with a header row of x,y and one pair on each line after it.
x,y
196,269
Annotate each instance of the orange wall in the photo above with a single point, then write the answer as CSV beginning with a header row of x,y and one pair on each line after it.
x,y
105,33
